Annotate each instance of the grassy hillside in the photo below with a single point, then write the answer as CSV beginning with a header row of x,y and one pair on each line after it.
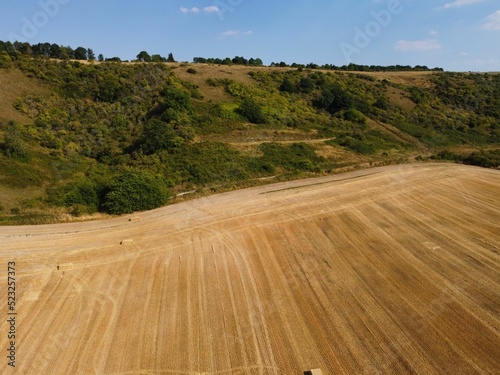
x,y
78,139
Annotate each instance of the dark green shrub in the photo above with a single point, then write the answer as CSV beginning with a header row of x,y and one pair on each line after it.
x,y
447,155
176,99
486,159
13,145
381,103
355,116
287,86
252,111
158,135
135,191
83,193
306,85
334,99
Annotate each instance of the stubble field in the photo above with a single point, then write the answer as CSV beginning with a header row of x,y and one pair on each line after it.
x,y
393,270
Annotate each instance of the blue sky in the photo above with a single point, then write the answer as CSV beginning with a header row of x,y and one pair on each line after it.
x,y
458,35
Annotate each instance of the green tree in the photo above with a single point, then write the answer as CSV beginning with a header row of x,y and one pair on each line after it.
x,y
159,135
55,51
143,56
135,191
5,60
334,99
252,111
158,58
170,58
176,99
109,88
13,145
287,86
80,53
255,62
90,55
306,85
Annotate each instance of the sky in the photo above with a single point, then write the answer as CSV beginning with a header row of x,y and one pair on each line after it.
x,y
457,35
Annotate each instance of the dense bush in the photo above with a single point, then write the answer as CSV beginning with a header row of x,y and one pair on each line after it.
x,y
82,195
486,159
134,191
447,155
13,145
159,135
252,111
334,99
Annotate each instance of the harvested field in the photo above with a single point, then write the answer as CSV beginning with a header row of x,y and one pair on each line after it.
x,y
393,270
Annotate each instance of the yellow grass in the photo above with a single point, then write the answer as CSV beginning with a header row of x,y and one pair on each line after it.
x,y
14,84
383,271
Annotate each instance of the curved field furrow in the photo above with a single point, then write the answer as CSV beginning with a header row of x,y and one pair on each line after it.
x,y
387,271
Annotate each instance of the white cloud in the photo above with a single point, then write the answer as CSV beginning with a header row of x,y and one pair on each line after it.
x,y
492,22
231,33
417,45
461,3
235,33
433,32
209,9
190,10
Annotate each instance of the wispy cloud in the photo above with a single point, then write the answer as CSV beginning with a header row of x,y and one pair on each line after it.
x,y
235,33
190,10
461,3
209,9
492,22
417,45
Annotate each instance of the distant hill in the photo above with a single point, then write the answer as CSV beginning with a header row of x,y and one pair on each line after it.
x,y
84,137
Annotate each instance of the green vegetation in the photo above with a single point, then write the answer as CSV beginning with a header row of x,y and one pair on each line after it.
x,y
484,158
133,191
105,136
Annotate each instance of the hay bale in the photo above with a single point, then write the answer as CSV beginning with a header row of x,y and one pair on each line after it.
x,y
315,371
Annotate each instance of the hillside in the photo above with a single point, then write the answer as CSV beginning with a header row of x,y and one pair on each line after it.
x,y
80,139
392,270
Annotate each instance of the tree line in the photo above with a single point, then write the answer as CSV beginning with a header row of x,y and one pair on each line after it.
x,y
53,51
9,51
358,68
237,60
